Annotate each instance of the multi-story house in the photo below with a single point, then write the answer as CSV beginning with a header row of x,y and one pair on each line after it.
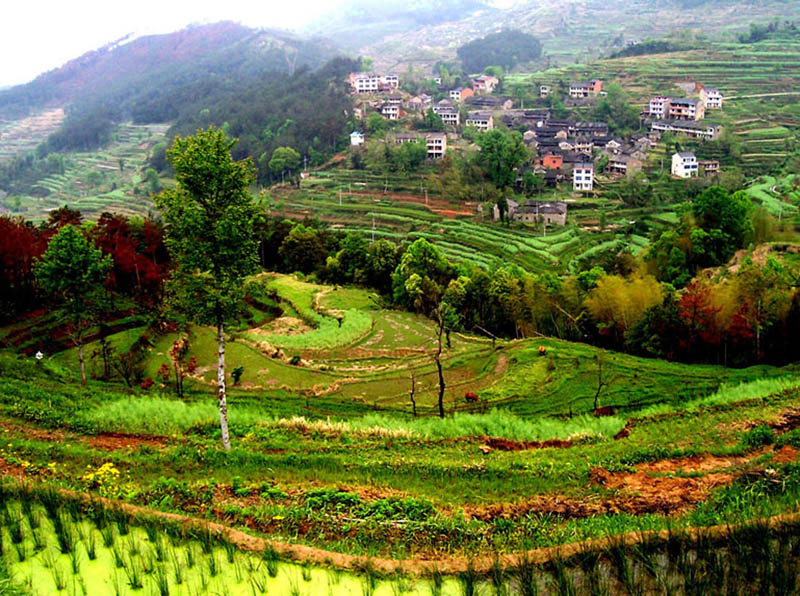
x,y
692,129
582,89
684,165
484,84
685,108
583,177
657,107
390,112
437,144
544,91
711,97
549,212
370,82
460,94
483,121
449,115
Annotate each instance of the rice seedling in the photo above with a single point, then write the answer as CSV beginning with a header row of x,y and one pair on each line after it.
x,y
238,571
294,586
49,559
108,535
64,534
436,580
15,530
497,576
230,551
159,550
258,585
177,569
116,584
148,563
213,565
22,551
59,577
122,521
469,580
134,547
191,557
525,572
152,531
116,554
75,560
133,574
206,540
91,546
563,584
272,568
161,581
37,537
305,572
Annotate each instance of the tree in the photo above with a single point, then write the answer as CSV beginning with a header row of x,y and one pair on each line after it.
x,y
285,161
377,125
500,155
211,225
73,271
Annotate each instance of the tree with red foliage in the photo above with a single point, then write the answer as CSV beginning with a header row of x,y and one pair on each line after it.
x,y
63,216
698,315
20,245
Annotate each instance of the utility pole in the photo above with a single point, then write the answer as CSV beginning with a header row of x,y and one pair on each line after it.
x,y
305,162
373,228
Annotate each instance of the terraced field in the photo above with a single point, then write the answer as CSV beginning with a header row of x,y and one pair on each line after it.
x,y
94,182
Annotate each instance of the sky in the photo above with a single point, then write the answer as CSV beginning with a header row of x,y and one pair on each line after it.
x,y
39,35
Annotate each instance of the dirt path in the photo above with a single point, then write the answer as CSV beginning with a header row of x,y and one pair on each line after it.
x,y
664,487
109,441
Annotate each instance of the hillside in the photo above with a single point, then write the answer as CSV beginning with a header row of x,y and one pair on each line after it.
x,y
126,70
574,28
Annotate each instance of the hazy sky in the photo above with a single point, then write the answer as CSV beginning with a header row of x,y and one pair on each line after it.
x,y
39,35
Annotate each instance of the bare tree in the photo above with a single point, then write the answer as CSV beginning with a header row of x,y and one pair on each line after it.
x,y
413,391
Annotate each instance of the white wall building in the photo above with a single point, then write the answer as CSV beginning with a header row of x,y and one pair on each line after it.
x,y
684,165
711,97
583,177
356,138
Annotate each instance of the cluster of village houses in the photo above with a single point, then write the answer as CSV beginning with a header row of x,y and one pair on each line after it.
x,y
564,148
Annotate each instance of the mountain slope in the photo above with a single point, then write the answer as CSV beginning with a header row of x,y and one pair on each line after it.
x,y
120,71
571,29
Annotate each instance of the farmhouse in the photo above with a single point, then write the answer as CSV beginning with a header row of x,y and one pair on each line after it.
x,y
449,116
695,130
624,165
685,109
483,121
461,94
711,97
549,212
395,99
437,144
511,210
684,165
657,107
390,112
583,177
484,84
582,89
544,91
592,129
709,167
370,82
486,102
356,138
551,161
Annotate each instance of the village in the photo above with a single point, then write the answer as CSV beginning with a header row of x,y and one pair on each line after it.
x,y
565,154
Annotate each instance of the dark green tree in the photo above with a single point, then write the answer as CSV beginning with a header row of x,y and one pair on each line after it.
x,y
211,223
500,155
73,272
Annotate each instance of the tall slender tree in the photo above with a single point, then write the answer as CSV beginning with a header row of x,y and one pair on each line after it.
x,y
211,222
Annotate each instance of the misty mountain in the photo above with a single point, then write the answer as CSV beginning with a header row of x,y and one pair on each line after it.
x,y
127,72
357,23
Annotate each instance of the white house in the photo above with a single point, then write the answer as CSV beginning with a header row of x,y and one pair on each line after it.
x,y
356,138
389,111
711,97
544,90
657,108
483,121
437,144
684,165
583,177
